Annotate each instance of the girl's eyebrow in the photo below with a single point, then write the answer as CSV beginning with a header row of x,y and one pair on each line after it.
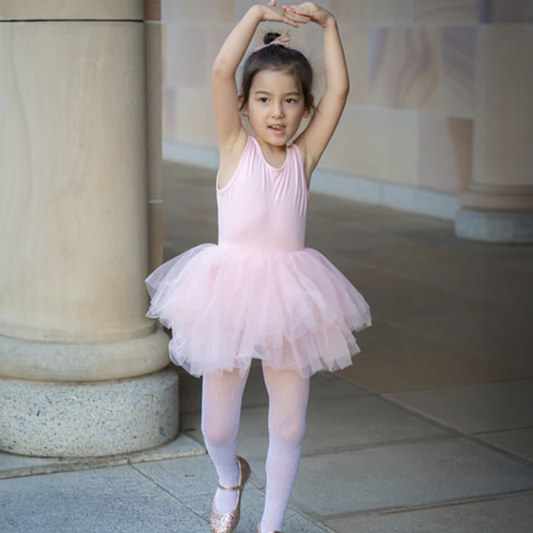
x,y
286,94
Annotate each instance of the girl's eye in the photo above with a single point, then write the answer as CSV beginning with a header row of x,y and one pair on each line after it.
x,y
263,98
291,99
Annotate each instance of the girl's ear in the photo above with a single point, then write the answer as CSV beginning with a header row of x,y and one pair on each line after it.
x,y
245,108
307,112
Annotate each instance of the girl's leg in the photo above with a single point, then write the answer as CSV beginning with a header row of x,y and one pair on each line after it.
x,y
288,395
221,410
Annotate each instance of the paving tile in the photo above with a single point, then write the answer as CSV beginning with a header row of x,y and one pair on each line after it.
x,y
381,278
357,242
386,336
251,512
323,385
440,366
182,477
475,408
519,261
432,269
421,256
405,475
17,465
389,303
104,500
509,291
332,425
512,514
518,442
492,332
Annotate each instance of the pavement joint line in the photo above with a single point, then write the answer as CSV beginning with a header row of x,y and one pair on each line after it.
x,y
420,415
316,522
496,431
373,445
509,454
292,507
365,394
430,388
164,489
436,420
464,385
382,511
66,464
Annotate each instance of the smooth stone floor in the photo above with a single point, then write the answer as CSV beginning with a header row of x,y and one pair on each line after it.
x,y
19,465
106,500
429,431
477,407
518,442
406,475
512,514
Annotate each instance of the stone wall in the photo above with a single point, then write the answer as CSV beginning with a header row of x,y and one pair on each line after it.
x,y
411,113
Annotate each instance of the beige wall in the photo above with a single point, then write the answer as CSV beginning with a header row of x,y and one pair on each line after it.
x,y
412,63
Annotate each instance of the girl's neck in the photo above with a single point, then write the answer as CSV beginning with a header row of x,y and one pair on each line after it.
x,y
271,148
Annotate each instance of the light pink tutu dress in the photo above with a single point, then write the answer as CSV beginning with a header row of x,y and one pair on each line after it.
x,y
259,293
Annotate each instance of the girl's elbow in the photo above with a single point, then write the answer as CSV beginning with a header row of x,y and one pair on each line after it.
x,y
346,91
342,92
220,68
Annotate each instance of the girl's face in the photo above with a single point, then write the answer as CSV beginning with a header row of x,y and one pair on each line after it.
x,y
275,106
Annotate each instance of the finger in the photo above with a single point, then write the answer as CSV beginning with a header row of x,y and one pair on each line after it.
x,y
296,15
297,6
290,9
298,18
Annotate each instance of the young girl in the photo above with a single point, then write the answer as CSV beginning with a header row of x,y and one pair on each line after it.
x,y
260,293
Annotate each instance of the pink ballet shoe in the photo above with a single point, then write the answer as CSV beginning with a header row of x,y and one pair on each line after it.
x,y
259,529
227,522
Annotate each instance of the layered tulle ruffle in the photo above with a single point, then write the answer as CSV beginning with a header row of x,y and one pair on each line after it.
x,y
228,304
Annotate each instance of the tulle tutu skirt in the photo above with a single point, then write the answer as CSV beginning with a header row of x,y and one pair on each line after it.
x,y
228,304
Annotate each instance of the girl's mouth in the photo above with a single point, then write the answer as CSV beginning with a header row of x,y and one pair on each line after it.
x,y
278,130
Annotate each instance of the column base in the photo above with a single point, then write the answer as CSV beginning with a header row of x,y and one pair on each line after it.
x,y
494,226
85,419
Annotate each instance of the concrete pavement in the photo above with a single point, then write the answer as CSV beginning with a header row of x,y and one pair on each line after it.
x,y
429,431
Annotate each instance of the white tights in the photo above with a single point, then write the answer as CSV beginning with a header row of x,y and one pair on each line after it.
x,y
288,395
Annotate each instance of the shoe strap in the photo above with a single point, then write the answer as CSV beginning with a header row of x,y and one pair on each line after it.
x,y
228,488
237,487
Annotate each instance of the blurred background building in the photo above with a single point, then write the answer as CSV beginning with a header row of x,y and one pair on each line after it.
x,y
439,119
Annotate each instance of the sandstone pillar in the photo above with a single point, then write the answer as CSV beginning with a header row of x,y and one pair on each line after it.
x,y
498,205
82,370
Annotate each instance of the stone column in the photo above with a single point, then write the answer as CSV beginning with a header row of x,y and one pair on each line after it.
x,y
83,372
152,16
498,205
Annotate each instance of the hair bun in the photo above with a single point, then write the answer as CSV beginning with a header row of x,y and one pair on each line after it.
x,y
270,36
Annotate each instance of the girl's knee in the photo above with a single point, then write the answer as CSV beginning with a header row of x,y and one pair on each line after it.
x,y
292,432
219,434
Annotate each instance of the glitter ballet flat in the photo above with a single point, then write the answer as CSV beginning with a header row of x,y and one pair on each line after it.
x,y
259,529
227,522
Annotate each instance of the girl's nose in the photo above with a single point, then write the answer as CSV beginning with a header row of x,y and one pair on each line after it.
x,y
277,111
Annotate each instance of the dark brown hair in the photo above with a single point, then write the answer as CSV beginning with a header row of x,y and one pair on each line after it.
x,y
278,57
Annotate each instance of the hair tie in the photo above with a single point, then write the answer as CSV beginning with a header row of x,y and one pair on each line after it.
x,y
282,40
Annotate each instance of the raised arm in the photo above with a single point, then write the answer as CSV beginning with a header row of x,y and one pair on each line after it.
x,y
225,93
314,139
